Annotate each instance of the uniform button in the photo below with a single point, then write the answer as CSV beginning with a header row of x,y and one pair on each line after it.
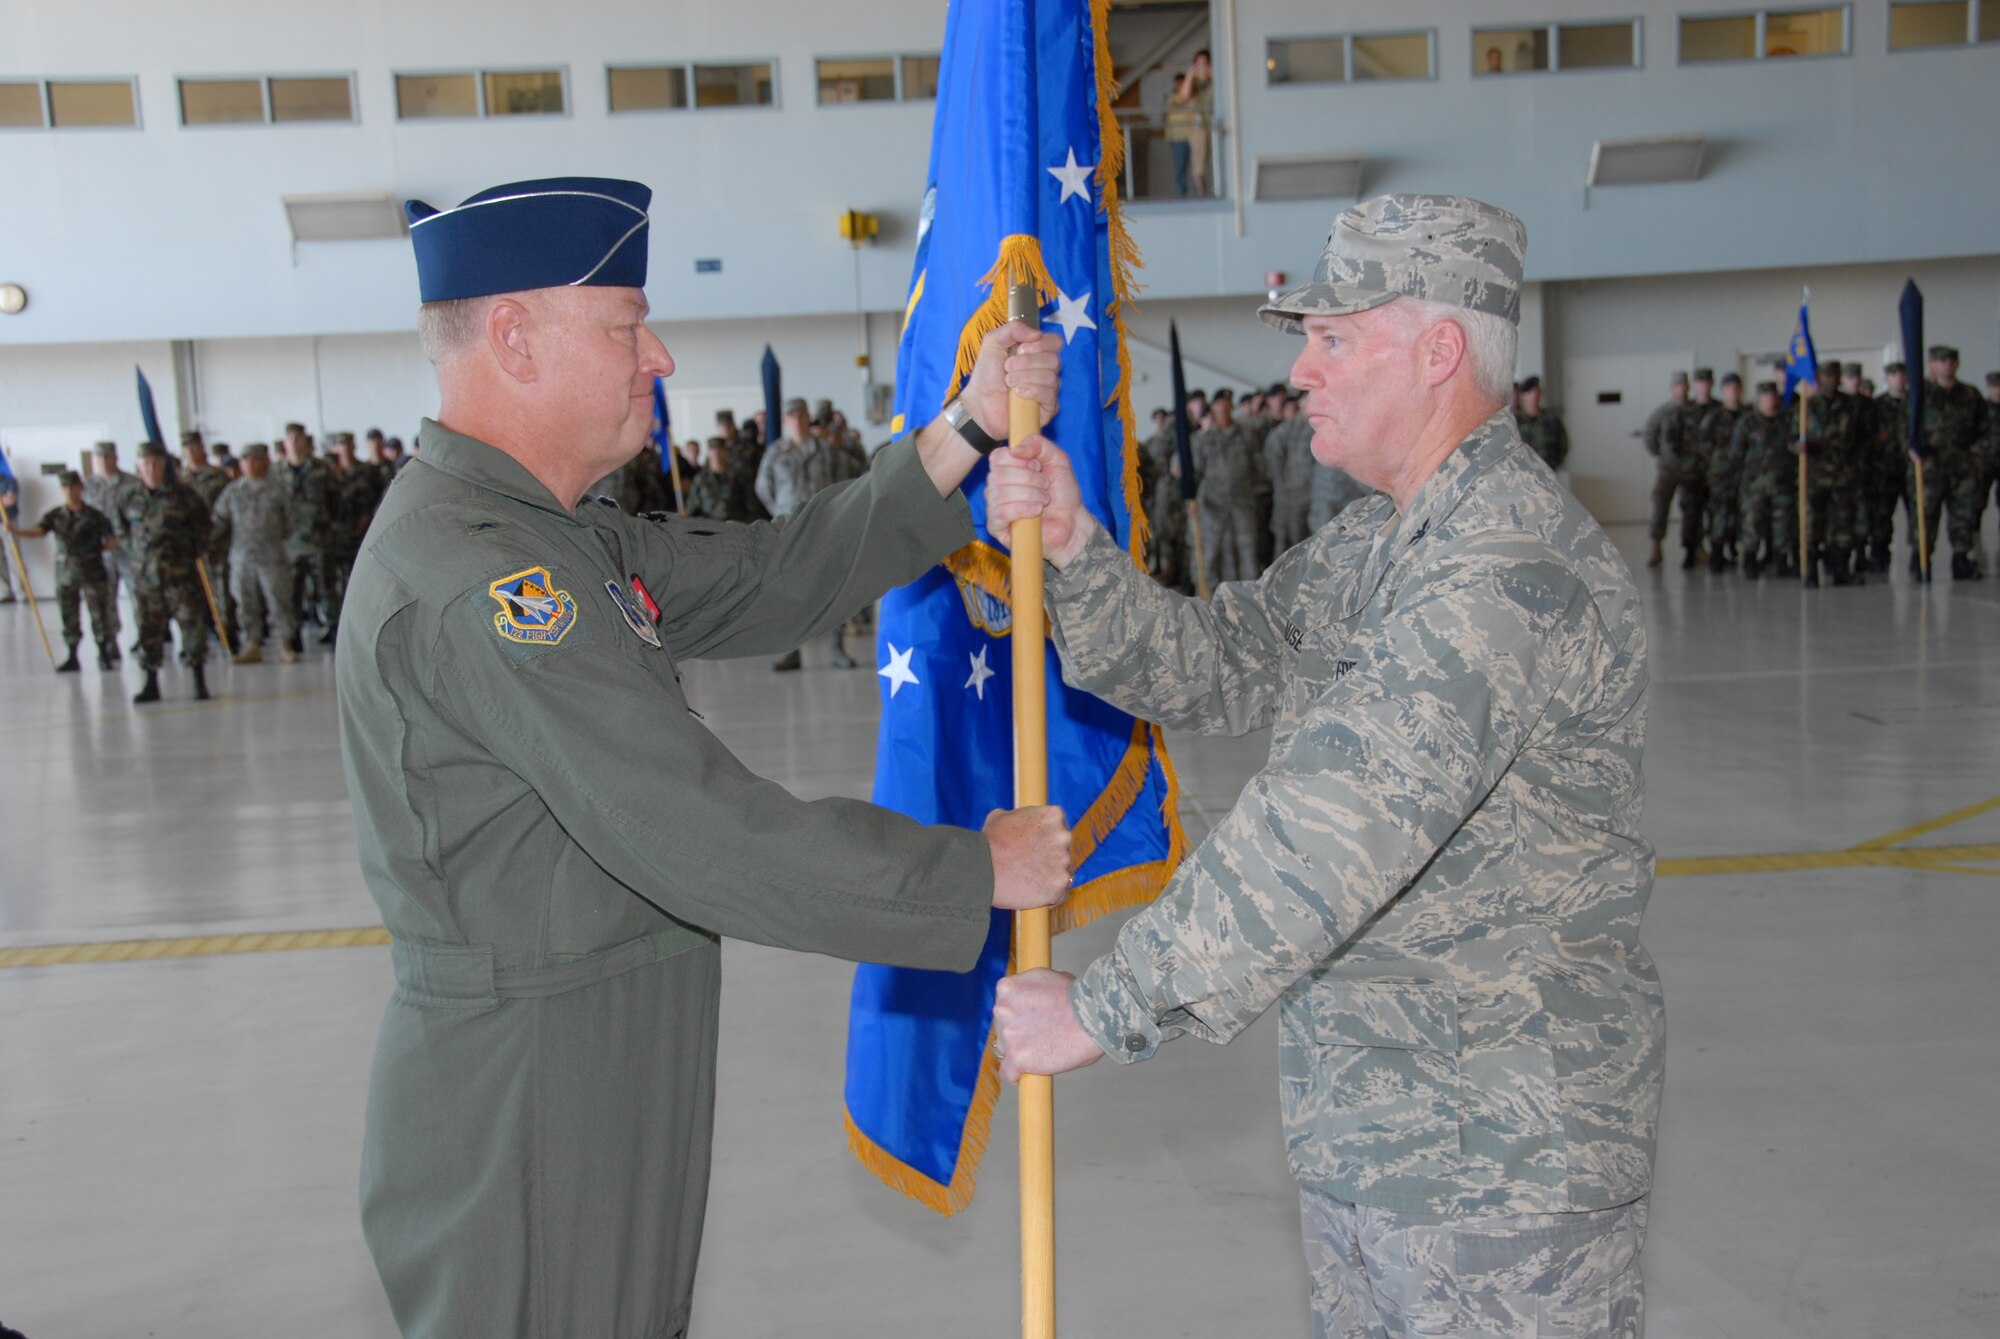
x,y
1135,1043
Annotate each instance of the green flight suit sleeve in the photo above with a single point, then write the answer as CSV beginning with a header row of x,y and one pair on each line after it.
x,y
764,588
1436,700
1205,665
641,786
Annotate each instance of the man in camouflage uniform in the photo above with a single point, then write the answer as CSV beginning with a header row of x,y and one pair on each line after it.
x,y
254,517
112,491
708,491
1765,446
1717,430
1892,464
1229,465
1833,461
378,459
1993,428
1667,439
1866,434
1542,429
308,481
82,532
208,480
169,529
1955,425
1172,562
1289,453
353,492
783,487
1439,877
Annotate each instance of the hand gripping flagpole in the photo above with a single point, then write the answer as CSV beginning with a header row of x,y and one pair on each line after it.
x,y
1031,928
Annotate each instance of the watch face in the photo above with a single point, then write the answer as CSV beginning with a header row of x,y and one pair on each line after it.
x,y
13,298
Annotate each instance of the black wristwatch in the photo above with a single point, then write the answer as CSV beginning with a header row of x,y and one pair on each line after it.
x,y
968,427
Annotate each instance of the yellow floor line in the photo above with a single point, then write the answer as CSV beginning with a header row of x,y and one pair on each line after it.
x,y
1955,816
1940,859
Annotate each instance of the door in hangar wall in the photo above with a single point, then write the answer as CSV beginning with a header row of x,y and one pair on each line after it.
x,y
1606,402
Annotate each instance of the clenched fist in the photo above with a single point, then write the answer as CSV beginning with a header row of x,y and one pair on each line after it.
x,y
1030,857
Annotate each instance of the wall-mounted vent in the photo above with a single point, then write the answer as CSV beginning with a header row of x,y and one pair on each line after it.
x,y
1647,161
355,216
1308,176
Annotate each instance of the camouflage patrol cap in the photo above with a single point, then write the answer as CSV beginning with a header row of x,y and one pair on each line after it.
x,y
795,405
1704,374
1893,369
105,448
1993,378
152,449
70,479
1440,248
1731,379
191,438
1829,367
1678,379
1943,353
1767,388
259,450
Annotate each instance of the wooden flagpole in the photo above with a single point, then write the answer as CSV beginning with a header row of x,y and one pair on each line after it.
x,y
214,609
1031,928
1200,558
1923,538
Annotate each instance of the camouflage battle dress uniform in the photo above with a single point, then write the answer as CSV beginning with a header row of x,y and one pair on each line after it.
x,y
309,487
1546,437
1954,436
708,496
1288,453
1891,466
1671,439
82,576
1166,513
352,497
1769,501
254,518
1438,876
114,496
208,483
1833,482
169,530
1725,482
1227,461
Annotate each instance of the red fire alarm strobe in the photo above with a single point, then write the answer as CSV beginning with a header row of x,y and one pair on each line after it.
x,y
1274,279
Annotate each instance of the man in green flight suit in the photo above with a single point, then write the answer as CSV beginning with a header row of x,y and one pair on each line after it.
x,y
541,1108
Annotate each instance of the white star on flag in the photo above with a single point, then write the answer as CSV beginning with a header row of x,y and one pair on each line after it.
x,y
1072,314
981,672
898,671
1073,176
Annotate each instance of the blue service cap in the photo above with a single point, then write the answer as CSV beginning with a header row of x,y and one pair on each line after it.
x,y
559,232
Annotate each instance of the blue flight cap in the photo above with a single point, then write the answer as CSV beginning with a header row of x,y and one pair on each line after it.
x,y
559,232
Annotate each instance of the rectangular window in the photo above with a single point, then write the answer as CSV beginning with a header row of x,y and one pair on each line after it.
x,y
420,96
1392,56
1509,50
21,105
1305,60
1924,25
868,80
312,98
920,78
524,92
1730,37
217,102
649,88
92,102
1597,46
1989,20
1805,32
734,85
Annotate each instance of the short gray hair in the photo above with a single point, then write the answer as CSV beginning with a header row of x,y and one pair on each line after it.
x,y
447,329
1491,342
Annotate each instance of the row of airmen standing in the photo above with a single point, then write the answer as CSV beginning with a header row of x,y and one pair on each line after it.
x,y
269,547
1735,470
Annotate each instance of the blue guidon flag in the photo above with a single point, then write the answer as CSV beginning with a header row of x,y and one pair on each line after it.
x,y
1801,359
1022,189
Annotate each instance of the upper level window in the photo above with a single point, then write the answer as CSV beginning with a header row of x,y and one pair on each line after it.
x,y
920,78
869,80
487,93
648,88
1954,23
208,102
1764,34
1556,46
21,105
1350,58
735,85
93,102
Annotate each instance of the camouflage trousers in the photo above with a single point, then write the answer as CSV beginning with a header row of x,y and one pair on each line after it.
x,y
1936,485
1725,508
103,614
1687,476
1229,544
1961,478
1382,1275
335,568
1879,499
176,596
1830,513
1288,522
263,597
1770,519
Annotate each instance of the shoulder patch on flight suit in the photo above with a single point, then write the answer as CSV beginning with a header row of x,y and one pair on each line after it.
x,y
532,611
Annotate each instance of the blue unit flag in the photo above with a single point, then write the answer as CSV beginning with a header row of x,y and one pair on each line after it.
x,y
1801,360
1022,189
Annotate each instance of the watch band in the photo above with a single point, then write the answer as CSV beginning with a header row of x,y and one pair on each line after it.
x,y
968,427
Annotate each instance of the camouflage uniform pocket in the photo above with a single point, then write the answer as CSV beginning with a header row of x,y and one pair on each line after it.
x,y
1385,1078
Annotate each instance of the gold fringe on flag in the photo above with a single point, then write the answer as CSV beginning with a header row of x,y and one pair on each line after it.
x,y
1020,262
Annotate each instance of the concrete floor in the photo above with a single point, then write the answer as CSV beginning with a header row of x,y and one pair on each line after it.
x,y
179,1139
